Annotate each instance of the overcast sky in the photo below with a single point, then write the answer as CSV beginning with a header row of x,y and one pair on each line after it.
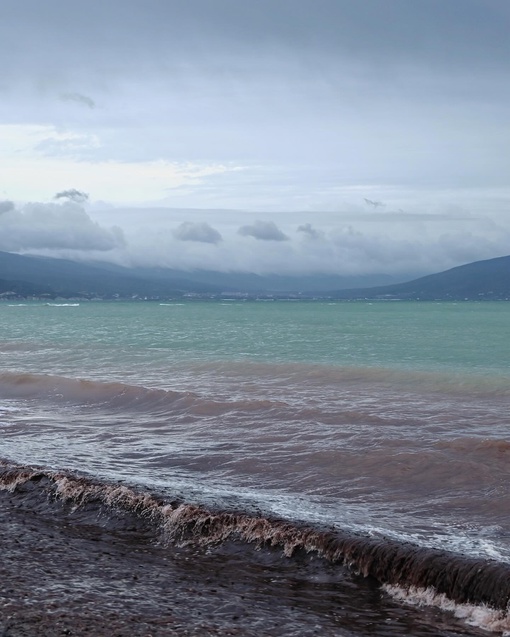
x,y
340,136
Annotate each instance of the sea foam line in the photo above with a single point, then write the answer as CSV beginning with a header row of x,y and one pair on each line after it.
x,y
482,616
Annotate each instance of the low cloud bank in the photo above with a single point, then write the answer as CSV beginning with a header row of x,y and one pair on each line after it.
x,y
54,226
345,243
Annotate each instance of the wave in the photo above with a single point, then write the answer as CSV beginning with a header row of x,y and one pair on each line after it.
x,y
477,444
444,579
118,395
20,346
490,619
43,305
476,383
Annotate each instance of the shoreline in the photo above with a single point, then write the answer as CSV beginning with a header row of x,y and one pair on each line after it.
x,y
82,574
59,578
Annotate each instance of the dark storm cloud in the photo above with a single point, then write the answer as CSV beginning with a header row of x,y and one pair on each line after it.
x,y
201,232
450,32
73,195
263,231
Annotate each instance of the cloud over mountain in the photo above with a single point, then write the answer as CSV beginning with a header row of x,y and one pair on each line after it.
x,y
263,231
200,232
50,226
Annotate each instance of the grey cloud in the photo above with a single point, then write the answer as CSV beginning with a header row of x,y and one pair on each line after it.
x,y
180,80
73,195
200,232
78,98
55,226
308,230
446,33
374,204
263,231
6,206
246,84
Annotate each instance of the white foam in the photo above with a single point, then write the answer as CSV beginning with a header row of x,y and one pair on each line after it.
x,y
6,409
490,619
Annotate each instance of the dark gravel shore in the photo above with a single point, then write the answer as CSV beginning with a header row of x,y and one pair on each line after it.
x,y
58,578
76,573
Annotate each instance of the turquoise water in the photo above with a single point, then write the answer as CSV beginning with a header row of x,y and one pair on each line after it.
x,y
469,338
387,419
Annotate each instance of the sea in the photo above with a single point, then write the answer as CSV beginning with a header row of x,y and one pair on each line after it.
x,y
356,452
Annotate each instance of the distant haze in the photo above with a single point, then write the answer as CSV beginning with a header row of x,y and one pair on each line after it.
x,y
294,136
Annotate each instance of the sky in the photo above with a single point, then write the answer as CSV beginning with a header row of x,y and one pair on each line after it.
x,y
287,136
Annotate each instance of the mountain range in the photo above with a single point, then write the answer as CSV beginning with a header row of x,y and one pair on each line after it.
x,y
29,276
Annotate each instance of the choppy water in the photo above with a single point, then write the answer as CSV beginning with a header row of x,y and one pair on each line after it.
x,y
381,421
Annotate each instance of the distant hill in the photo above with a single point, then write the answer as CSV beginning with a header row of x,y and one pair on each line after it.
x,y
22,288
66,278
42,276
480,280
248,282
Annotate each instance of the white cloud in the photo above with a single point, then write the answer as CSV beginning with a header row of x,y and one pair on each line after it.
x,y
36,160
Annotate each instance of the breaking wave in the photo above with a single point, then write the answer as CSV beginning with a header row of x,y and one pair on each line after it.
x,y
490,619
476,589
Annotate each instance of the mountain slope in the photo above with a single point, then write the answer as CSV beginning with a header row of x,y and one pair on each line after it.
x,y
70,278
29,275
480,280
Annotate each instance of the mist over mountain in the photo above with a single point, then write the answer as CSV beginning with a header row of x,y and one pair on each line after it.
x,y
62,277
44,276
